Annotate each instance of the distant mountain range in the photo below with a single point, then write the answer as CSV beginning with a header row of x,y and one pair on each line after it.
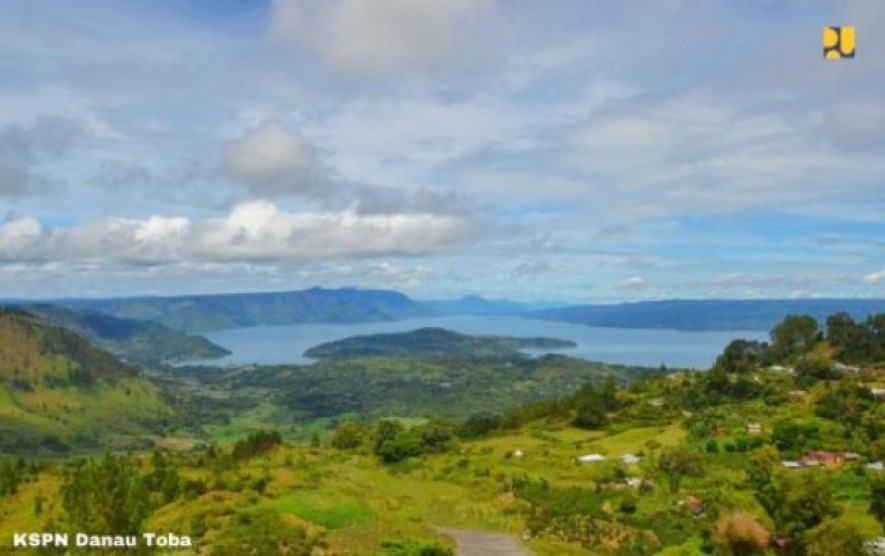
x,y
205,313
707,314
131,340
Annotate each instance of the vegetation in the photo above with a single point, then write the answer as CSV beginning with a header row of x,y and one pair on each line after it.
x,y
682,463
147,343
58,392
432,342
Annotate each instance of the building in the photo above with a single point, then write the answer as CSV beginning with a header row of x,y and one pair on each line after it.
x,y
875,466
754,428
791,464
630,459
821,457
591,458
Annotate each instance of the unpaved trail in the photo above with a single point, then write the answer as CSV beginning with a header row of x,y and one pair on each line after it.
x,y
482,543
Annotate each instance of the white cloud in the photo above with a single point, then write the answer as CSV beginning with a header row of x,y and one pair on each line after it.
x,y
875,277
378,38
273,159
633,283
255,231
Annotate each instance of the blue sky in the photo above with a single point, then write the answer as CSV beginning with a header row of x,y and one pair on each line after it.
x,y
565,150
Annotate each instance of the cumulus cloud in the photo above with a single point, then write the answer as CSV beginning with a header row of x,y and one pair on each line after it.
x,y
875,277
256,231
272,159
379,38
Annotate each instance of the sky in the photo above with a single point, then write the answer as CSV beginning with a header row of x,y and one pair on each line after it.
x,y
570,150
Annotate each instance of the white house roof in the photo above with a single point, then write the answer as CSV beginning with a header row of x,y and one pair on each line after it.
x,y
630,458
591,457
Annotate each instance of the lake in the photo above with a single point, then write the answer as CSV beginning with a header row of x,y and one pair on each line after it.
x,y
268,345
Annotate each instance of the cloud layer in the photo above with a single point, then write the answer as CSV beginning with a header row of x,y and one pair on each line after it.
x,y
252,232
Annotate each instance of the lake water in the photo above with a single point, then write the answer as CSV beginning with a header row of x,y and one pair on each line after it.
x,y
267,345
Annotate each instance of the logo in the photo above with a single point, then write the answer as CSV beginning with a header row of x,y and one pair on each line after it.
x,y
838,42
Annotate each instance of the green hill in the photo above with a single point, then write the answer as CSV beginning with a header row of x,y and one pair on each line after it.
x,y
57,391
432,342
132,340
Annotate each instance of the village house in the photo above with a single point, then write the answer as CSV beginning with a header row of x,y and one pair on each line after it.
x,y
875,466
633,482
754,428
843,368
791,464
822,457
796,394
630,459
591,458
878,392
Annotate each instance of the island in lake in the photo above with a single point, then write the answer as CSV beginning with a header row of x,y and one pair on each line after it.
x,y
432,342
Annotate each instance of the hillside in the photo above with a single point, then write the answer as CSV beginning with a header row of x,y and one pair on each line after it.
x,y
132,340
707,314
203,313
432,342
57,391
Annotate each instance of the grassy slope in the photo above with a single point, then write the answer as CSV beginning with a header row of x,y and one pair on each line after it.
x,y
357,502
55,386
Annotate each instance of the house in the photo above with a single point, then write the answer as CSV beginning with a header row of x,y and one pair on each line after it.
x,y
878,392
796,394
630,459
875,466
850,456
517,453
633,482
657,402
782,369
791,464
821,457
754,428
591,458
843,368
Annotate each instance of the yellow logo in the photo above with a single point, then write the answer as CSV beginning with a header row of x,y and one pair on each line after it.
x,y
838,42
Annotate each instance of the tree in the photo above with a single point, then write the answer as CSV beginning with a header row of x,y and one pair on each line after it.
x,y
794,435
803,501
590,409
404,445
740,534
106,496
835,537
742,356
385,430
794,336
677,462
877,499
349,435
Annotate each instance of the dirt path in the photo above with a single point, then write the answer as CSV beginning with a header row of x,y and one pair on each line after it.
x,y
481,543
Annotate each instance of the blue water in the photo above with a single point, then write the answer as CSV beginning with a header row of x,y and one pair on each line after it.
x,y
266,345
